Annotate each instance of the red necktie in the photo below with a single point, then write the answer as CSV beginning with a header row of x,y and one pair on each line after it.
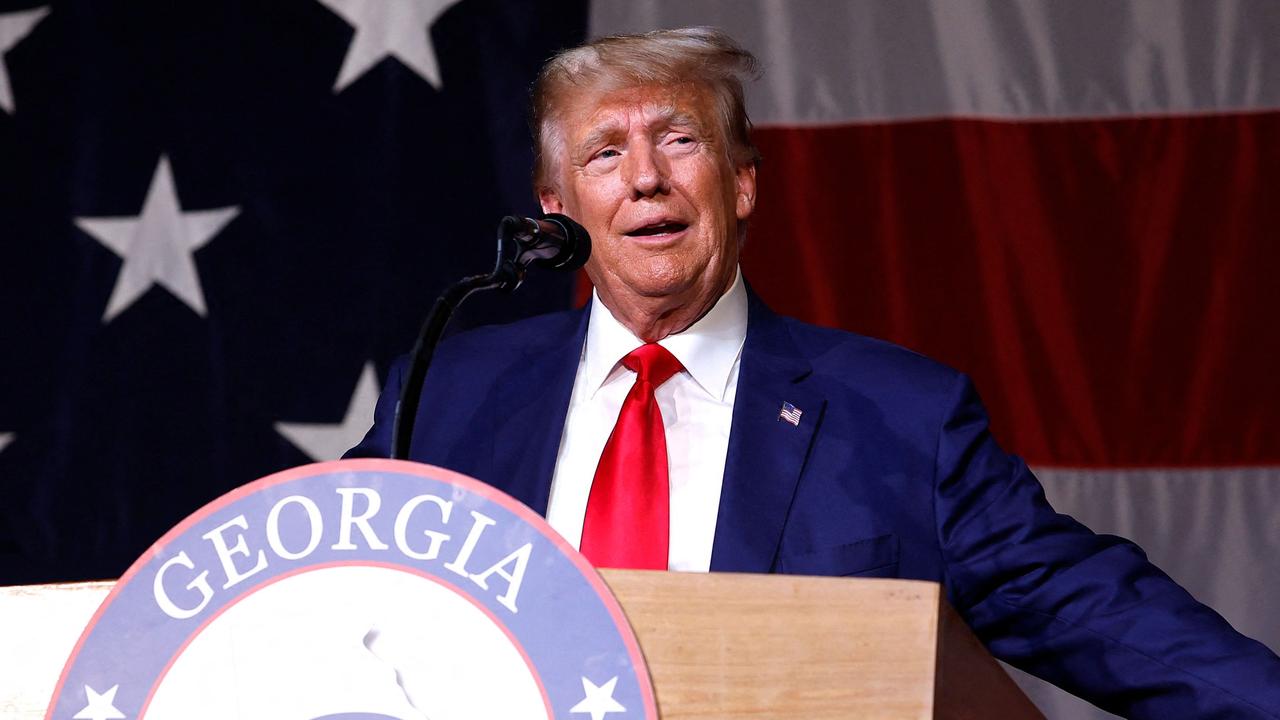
x,y
626,525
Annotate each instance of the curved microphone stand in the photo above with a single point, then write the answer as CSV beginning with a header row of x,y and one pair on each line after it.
x,y
555,241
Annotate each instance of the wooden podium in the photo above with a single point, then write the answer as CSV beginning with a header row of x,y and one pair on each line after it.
x,y
717,646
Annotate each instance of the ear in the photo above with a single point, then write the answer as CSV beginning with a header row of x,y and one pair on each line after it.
x,y
550,200
746,187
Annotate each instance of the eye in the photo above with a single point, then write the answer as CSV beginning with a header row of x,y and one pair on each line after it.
x,y
680,142
606,155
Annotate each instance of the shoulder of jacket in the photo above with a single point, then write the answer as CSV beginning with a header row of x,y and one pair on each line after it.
x,y
869,360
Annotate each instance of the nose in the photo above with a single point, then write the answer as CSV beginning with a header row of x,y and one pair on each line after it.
x,y
646,171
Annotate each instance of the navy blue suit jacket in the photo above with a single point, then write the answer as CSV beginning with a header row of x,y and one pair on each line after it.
x,y
891,472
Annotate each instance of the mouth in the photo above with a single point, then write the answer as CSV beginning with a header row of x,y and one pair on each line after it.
x,y
658,229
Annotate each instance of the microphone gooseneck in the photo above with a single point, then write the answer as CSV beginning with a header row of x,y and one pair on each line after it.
x,y
553,241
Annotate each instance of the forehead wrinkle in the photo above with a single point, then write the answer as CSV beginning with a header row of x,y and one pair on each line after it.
x,y
687,119
655,115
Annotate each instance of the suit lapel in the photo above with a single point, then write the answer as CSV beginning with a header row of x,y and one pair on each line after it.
x,y
527,427
766,454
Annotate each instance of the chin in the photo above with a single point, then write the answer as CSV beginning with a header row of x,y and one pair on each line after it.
x,y
658,289
674,282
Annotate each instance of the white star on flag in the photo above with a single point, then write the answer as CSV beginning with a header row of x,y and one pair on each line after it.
x,y
101,706
5,439
397,28
157,246
599,699
327,441
13,28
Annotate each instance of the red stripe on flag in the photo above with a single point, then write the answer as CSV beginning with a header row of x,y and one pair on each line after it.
x,y
1109,284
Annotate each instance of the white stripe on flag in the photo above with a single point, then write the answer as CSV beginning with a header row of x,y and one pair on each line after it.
x,y
869,60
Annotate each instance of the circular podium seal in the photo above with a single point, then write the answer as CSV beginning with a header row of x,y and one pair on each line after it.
x,y
358,590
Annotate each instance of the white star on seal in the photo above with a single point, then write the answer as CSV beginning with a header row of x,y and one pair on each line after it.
x,y
13,28
158,244
101,706
599,699
396,28
327,441
5,439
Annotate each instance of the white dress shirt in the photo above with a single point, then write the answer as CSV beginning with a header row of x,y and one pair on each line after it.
x,y
697,411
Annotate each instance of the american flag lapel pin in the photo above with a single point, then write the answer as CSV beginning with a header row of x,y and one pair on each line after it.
x,y
790,413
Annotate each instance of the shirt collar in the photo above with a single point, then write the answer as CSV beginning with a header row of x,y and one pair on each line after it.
x,y
708,349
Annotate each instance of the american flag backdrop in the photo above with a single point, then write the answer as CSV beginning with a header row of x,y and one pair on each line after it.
x,y
1078,204
220,220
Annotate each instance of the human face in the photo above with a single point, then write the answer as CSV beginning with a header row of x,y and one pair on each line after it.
x,y
646,171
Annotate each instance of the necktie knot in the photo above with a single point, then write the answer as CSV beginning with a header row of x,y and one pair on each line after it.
x,y
652,363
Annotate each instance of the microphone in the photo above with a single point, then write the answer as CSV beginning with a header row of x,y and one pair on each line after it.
x,y
554,241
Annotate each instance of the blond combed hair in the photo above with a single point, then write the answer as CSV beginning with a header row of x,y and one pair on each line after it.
x,y
699,56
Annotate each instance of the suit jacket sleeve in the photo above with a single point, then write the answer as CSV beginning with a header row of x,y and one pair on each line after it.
x,y
1087,612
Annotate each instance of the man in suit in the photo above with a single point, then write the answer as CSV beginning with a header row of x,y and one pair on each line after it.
x,y
678,423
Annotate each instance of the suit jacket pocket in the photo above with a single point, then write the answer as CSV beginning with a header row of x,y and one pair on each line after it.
x,y
873,557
